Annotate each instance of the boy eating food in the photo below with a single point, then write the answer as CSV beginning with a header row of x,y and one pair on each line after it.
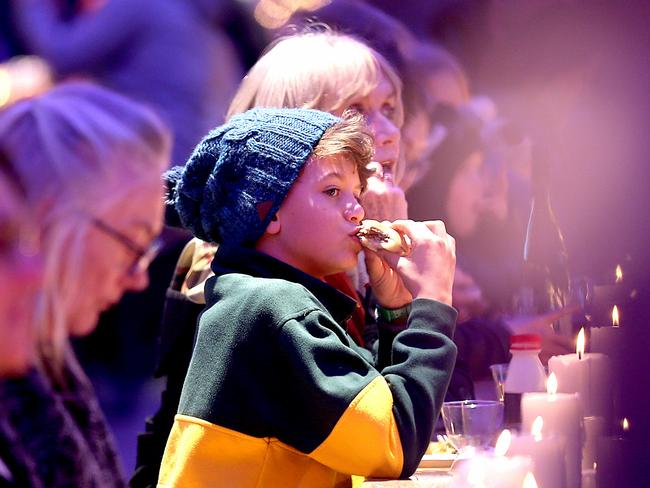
x,y
277,394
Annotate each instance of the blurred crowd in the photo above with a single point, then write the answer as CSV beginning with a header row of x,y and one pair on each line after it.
x,y
99,292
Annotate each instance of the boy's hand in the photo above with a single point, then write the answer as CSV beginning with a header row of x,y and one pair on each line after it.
x,y
427,272
382,198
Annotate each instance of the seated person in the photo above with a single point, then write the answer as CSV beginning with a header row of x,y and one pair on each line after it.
x,y
89,161
301,70
467,186
277,393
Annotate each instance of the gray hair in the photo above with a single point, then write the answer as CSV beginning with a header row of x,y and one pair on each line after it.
x,y
77,150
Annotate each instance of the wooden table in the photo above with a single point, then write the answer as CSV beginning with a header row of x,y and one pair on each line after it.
x,y
423,478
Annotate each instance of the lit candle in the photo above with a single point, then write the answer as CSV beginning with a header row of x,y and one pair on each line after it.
x,y
618,273
608,340
547,453
586,374
562,414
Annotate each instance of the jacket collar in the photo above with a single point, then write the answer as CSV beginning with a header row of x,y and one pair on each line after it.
x,y
235,259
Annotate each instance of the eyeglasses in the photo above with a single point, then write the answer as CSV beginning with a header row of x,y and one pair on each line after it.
x,y
143,255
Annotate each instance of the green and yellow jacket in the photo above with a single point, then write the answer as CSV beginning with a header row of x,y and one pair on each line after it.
x,y
277,394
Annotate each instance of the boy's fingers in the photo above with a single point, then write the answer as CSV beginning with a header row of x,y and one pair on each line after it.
x,y
423,230
373,262
390,258
408,227
377,260
437,227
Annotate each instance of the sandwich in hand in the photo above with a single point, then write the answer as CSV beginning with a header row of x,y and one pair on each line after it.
x,y
376,236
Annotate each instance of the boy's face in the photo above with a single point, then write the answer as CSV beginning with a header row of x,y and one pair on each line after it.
x,y
318,220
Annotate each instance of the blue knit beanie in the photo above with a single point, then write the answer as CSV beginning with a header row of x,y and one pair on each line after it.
x,y
241,172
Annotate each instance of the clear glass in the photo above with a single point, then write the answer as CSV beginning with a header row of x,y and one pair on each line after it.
x,y
472,423
499,373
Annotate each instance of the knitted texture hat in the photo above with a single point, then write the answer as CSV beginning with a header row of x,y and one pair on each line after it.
x,y
241,172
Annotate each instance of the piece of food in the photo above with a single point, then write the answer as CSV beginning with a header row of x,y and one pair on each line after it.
x,y
440,447
376,236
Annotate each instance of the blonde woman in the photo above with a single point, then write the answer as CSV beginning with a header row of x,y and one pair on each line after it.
x,y
334,72
90,161
319,69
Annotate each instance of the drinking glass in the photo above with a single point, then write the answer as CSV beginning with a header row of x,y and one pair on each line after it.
x,y
499,372
472,423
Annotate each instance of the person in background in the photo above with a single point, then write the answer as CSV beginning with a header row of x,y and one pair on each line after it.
x,y
392,40
433,78
336,72
21,272
277,393
469,191
172,56
469,167
320,69
90,162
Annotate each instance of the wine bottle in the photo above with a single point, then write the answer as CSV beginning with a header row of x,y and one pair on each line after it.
x,y
545,262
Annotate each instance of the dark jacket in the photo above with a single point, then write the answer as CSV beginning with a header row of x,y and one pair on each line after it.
x,y
278,393
53,436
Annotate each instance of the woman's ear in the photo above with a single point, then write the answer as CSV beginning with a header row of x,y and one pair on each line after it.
x,y
274,226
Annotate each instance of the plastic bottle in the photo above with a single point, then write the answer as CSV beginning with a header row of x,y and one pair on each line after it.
x,y
525,374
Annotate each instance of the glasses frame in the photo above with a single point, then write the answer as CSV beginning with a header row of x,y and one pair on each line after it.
x,y
143,255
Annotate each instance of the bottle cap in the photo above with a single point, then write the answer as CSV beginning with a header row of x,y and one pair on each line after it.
x,y
525,342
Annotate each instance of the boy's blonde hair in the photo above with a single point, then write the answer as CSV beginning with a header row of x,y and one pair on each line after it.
x,y
78,150
319,69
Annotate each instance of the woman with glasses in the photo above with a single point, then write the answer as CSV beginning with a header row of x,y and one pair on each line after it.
x,y
90,162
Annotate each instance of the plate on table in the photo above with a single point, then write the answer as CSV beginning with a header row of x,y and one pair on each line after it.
x,y
438,455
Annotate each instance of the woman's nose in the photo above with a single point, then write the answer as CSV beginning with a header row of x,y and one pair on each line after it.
x,y
384,130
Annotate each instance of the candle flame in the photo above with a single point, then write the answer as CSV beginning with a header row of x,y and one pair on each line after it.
x,y
529,481
580,343
619,273
626,425
536,428
615,316
503,443
551,384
